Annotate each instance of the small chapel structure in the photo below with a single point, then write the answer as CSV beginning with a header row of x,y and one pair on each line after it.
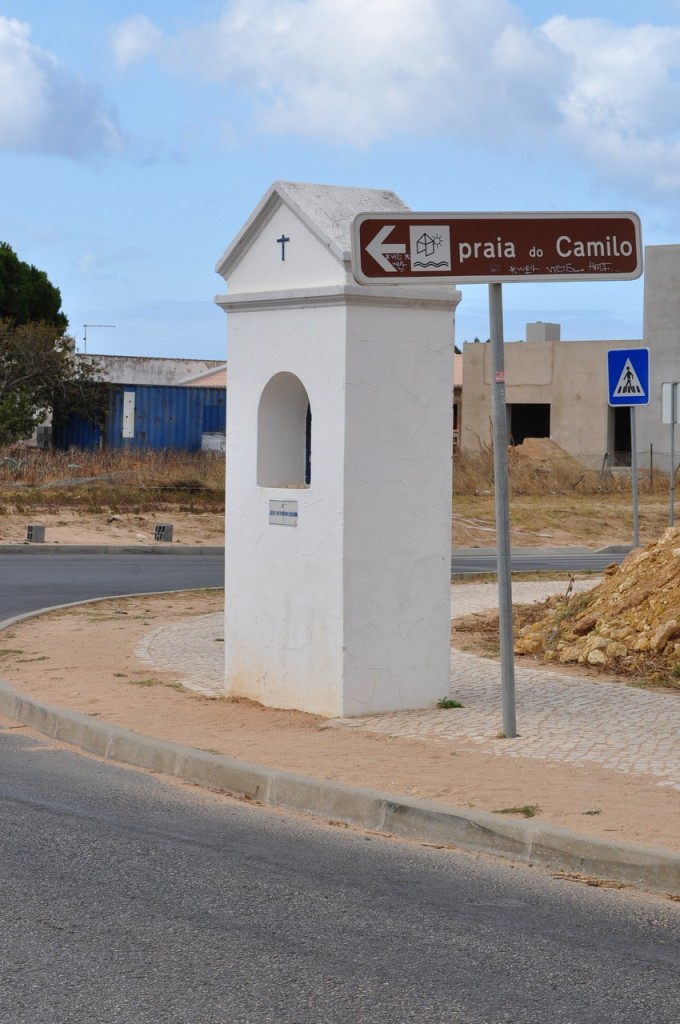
x,y
339,438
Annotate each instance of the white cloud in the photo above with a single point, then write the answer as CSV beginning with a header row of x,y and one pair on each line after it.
x,y
621,109
362,70
46,108
134,39
359,71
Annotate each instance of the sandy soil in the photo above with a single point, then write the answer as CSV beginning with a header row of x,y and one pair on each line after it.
x,y
84,659
72,527
583,523
558,520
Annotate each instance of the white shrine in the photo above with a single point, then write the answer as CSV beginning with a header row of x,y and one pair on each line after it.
x,y
339,445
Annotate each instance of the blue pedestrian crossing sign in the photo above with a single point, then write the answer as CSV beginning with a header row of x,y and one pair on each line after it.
x,y
628,376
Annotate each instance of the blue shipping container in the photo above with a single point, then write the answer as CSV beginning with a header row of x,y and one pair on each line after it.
x,y
149,417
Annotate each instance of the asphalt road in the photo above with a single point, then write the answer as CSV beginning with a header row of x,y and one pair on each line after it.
x,y
41,580
473,561
126,899
34,580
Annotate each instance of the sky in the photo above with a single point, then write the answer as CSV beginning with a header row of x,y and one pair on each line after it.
x,y
136,137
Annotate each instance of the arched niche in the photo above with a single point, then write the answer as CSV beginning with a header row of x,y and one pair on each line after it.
x,y
284,427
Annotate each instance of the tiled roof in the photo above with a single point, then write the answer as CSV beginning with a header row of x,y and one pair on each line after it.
x,y
457,371
216,378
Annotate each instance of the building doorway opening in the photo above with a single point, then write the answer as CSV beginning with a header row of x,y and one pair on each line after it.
x,y
619,436
528,419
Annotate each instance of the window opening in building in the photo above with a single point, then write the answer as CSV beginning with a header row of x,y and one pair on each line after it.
x,y
528,419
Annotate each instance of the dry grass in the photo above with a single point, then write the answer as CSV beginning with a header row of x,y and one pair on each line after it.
x,y
557,502
94,481
473,474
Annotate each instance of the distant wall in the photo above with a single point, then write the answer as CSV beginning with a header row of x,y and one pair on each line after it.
x,y
150,370
572,376
662,337
569,376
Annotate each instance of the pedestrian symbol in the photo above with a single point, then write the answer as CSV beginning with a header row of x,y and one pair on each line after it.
x,y
628,376
629,383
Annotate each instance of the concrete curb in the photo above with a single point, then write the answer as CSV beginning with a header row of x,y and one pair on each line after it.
x,y
22,616
528,842
576,549
160,548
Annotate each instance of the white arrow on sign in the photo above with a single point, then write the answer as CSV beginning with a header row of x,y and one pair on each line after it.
x,y
377,248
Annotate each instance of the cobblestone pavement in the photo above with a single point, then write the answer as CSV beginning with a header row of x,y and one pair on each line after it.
x,y
559,718
194,648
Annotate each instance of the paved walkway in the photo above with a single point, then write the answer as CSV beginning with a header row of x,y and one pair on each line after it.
x,y
558,718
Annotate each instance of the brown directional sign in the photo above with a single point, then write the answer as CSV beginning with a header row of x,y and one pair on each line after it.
x,y
409,248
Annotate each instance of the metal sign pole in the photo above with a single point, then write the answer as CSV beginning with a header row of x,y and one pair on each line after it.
x,y
395,247
628,372
669,396
671,517
500,464
634,478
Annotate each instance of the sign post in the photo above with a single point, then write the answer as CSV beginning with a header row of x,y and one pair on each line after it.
x,y
496,248
628,377
669,414
500,472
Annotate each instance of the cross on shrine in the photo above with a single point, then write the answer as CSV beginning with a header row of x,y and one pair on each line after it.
x,y
282,242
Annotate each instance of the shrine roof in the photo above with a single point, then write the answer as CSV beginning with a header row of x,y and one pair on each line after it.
x,y
327,210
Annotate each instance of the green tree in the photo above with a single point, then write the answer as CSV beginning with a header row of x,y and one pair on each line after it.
x,y
26,293
40,372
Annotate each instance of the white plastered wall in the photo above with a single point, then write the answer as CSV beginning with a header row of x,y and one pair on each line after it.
x,y
306,264
348,612
283,625
397,506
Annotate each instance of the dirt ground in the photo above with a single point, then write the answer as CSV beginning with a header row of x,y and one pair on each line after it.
x,y
69,526
84,659
559,520
550,520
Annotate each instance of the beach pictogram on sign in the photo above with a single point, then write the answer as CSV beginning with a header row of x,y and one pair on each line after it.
x,y
430,248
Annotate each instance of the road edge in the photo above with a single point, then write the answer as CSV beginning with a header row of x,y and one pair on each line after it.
x,y
26,548
527,842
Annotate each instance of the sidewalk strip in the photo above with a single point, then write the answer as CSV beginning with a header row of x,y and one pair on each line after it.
x,y
423,821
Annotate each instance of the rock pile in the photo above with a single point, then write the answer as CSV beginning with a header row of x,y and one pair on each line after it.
x,y
629,624
540,450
